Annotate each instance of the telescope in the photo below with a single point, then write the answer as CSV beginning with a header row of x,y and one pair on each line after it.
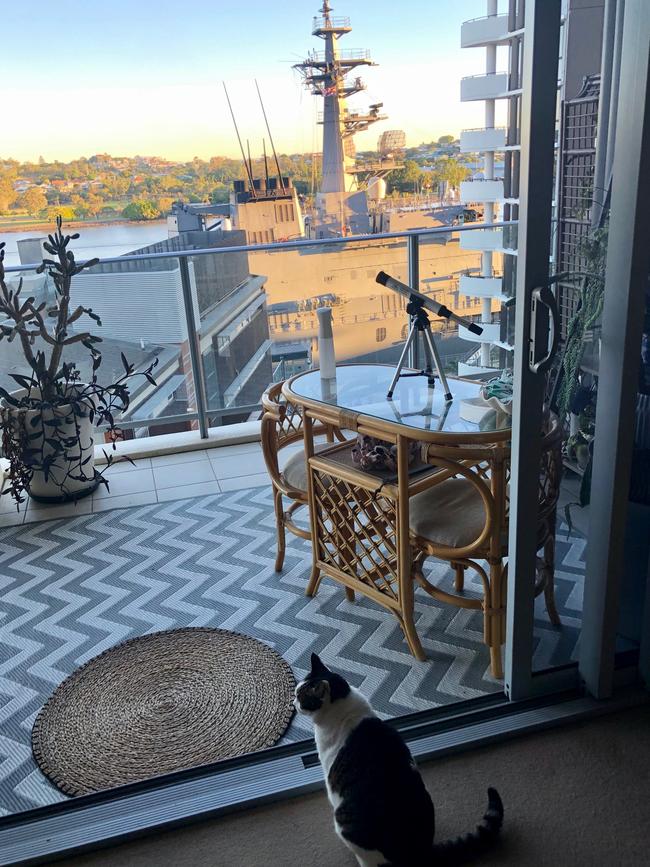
x,y
419,324
424,301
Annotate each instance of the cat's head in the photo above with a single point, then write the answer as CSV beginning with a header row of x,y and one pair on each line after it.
x,y
320,688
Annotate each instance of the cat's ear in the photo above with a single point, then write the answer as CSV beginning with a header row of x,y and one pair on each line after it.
x,y
318,667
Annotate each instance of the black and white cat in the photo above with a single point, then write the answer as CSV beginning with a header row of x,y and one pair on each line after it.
x,y
382,810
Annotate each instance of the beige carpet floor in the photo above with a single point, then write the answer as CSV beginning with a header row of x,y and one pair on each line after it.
x,y
579,795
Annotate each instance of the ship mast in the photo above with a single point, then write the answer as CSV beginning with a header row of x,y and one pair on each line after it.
x,y
324,74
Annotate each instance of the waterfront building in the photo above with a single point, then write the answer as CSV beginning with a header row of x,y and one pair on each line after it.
x,y
496,197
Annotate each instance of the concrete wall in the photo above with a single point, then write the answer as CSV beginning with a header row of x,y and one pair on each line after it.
x,y
584,43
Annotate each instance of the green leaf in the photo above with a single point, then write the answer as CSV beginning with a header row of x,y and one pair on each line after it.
x,y
4,394
23,380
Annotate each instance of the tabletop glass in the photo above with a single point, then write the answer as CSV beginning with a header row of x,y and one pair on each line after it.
x,y
362,388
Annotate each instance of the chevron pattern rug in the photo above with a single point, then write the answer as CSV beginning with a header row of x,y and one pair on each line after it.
x,y
71,588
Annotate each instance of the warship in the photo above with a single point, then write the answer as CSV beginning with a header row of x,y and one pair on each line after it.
x,y
351,201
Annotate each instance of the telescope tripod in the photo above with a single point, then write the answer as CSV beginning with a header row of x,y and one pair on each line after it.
x,y
419,324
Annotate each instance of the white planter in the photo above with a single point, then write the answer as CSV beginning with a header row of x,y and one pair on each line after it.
x,y
60,486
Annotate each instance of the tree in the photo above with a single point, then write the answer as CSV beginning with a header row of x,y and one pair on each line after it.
x,y
164,204
220,194
94,204
117,185
453,172
33,201
7,194
66,213
408,178
446,140
141,209
80,206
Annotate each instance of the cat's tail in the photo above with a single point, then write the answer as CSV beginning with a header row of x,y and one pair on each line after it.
x,y
460,850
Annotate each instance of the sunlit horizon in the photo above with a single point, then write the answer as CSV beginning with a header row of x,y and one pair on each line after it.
x,y
127,89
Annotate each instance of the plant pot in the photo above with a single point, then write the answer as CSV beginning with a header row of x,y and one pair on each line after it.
x,y
72,475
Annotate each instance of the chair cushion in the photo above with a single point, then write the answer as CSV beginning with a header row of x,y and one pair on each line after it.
x,y
295,470
451,513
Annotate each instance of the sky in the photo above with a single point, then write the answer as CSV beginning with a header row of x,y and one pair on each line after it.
x,y
145,76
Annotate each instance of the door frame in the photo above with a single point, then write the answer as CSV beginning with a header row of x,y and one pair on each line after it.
x,y
538,123
626,278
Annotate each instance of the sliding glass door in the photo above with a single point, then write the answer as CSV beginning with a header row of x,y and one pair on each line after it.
x,y
577,365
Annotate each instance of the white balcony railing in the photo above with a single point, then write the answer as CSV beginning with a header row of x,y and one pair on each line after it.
x,y
488,239
491,333
465,369
492,85
481,191
481,287
490,30
488,139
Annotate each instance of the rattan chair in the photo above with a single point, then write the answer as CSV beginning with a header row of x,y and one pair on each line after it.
x,y
462,517
282,426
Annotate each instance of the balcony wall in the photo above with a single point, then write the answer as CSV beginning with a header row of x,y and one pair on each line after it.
x,y
481,191
489,139
493,85
491,30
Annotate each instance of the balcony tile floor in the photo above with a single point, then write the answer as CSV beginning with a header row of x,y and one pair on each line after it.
x,y
203,555
158,479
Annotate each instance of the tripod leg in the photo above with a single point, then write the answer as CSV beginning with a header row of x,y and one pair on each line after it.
x,y
412,335
433,349
429,360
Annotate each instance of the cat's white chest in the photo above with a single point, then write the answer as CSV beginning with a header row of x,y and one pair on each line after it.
x,y
332,732
327,753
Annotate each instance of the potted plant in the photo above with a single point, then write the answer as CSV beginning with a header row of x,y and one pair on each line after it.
x,y
47,424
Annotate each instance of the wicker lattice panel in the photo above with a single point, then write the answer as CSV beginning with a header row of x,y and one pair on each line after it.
x,y
357,532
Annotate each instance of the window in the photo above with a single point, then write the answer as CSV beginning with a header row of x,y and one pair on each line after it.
x,y
380,335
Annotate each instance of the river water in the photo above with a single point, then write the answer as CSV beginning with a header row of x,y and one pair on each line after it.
x,y
113,239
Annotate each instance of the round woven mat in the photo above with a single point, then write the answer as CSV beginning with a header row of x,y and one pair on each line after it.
x,y
159,703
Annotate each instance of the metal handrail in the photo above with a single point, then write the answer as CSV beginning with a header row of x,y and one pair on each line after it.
x,y
322,22
345,55
485,17
483,128
485,74
288,245
203,412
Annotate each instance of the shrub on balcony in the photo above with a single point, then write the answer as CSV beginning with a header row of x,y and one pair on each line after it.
x,y
47,425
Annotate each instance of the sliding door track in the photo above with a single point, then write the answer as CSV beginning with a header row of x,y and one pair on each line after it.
x,y
103,819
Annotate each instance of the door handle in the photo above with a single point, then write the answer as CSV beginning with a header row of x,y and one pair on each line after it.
x,y
543,295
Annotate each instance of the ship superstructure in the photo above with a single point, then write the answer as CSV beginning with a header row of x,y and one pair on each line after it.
x,y
331,74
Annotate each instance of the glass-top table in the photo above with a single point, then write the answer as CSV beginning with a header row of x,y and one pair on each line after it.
x,y
362,389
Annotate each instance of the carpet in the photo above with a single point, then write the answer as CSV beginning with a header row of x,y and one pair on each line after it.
x,y
574,796
72,588
161,703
